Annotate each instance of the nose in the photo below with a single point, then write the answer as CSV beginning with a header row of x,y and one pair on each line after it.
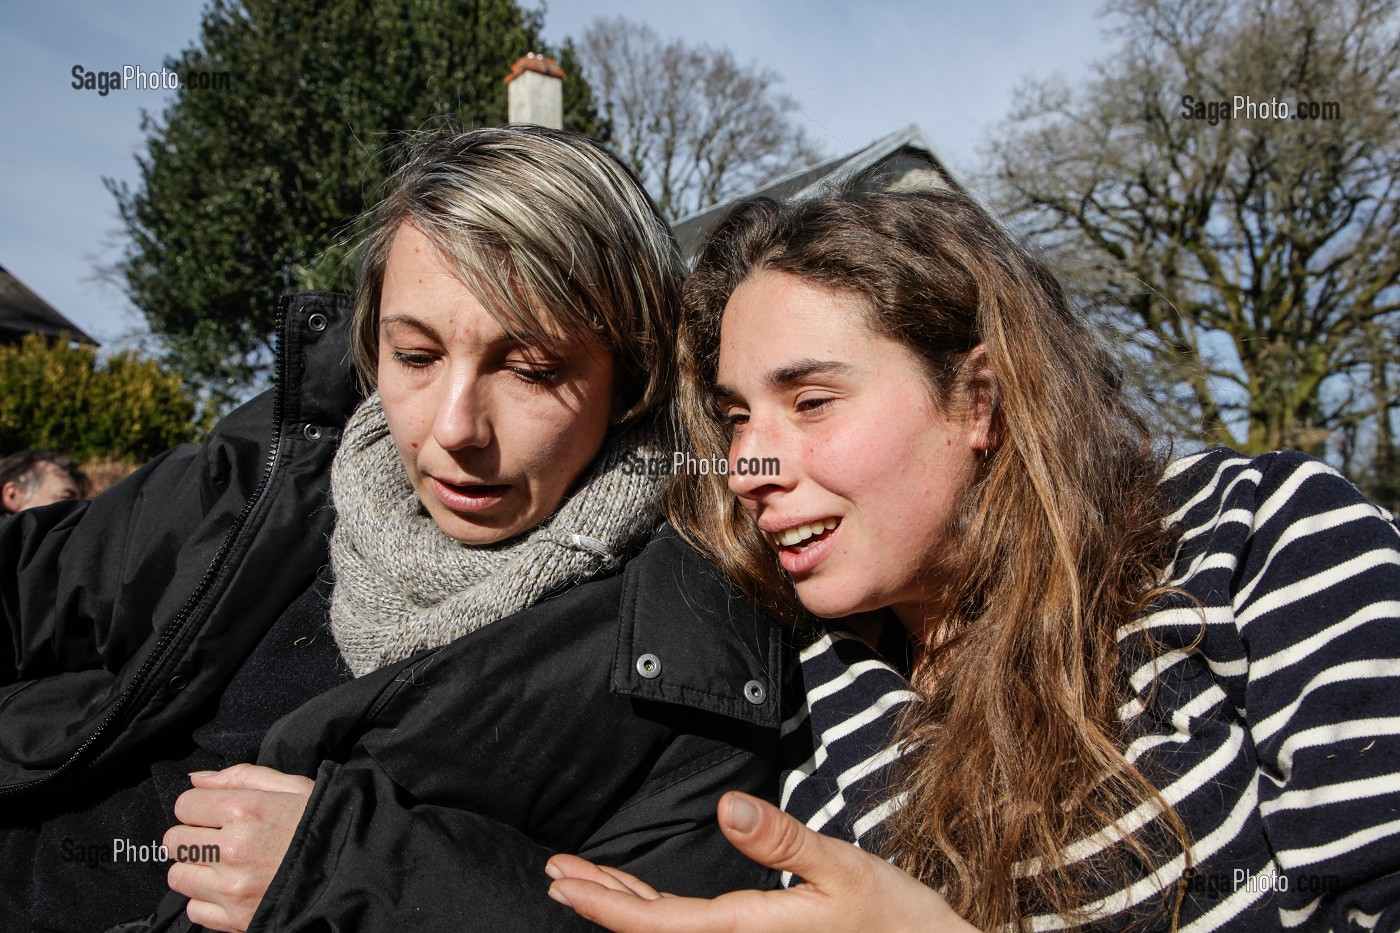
x,y
463,419
758,465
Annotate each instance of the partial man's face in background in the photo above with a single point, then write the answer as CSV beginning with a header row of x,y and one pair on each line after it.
x,y
48,483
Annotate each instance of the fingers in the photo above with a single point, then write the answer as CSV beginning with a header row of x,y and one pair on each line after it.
x,y
626,912
235,794
193,843
198,882
772,838
203,806
211,917
252,777
636,885
191,880
571,866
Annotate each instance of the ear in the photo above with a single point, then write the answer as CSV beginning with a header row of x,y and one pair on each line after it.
x,y
981,388
11,496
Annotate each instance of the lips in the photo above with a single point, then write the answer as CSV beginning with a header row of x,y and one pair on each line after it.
x,y
795,535
468,497
801,545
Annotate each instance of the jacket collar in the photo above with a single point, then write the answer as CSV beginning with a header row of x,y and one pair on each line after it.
x,y
319,389
687,636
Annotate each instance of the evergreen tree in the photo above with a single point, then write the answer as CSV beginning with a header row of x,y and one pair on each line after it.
x,y
56,394
249,190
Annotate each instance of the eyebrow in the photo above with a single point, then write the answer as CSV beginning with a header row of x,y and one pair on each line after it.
x,y
785,376
408,320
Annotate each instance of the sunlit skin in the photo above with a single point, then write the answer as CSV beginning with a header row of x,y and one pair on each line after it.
x,y
54,485
493,433
847,890
850,416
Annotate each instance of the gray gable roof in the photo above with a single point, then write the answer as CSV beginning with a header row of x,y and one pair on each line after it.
x,y
901,161
23,312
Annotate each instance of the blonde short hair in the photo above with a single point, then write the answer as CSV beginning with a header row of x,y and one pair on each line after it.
x,y
552,234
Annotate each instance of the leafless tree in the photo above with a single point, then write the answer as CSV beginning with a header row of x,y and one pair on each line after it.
x,y
697,126
1252,259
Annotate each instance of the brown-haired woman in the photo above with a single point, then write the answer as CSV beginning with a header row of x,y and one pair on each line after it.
x,y
1071,684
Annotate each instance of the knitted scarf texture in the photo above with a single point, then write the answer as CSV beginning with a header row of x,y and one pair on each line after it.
x,y
402,585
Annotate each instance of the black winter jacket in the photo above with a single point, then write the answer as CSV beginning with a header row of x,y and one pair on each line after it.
x,y
125,617
605,720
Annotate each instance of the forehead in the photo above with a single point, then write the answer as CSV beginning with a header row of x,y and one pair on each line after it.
x,y
771,311
423,283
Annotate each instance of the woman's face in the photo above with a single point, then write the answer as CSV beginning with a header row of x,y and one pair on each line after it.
x,y
869,468
493,433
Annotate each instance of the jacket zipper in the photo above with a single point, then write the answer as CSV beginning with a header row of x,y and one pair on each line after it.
x,y
212,575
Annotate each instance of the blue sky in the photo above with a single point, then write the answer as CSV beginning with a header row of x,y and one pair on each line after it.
x,y
858,72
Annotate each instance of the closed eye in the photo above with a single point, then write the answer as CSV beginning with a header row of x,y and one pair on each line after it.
x,y
534,376
413,359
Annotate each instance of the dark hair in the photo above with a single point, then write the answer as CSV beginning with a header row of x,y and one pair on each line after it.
x,y
1056,542
22,468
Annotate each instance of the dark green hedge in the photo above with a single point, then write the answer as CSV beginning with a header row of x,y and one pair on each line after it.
x,y
58,395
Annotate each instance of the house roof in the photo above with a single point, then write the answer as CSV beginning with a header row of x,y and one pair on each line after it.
x,y
901,161
23,312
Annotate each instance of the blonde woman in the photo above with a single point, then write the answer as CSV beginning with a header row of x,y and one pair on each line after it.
x,y
514,657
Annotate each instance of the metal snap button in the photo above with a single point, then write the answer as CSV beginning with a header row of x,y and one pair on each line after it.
x,y
316,322
312,432
179,682
755,692
649,666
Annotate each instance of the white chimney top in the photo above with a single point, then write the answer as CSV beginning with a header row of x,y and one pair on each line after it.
x,y
535,91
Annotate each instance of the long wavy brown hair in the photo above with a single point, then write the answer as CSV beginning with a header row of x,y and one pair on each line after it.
x,y
1016,750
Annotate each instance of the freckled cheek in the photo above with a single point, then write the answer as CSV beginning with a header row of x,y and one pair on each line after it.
x,y
407,430
845,460
548,449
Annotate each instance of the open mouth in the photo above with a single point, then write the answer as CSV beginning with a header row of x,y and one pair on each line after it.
x,y
469,497
799,538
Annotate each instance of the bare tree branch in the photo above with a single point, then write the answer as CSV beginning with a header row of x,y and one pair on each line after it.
x,y
696,126
1256,257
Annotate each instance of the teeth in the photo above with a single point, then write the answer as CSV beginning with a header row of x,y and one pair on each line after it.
x,y
802,532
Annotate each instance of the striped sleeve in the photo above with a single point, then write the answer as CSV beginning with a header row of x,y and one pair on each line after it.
x,y
1315,597
838,743
1264,704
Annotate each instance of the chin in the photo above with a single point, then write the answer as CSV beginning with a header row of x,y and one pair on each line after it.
x,y
828,601
473,534
477,537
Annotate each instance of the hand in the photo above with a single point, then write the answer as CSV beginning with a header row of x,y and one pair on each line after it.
x,y
250,813
846,889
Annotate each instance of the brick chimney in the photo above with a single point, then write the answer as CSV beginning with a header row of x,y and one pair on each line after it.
x,y
535,91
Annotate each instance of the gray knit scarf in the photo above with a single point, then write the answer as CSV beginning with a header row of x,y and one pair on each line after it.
x,y
401,585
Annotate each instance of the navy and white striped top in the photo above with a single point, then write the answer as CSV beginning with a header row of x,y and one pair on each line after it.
x,y
1277,726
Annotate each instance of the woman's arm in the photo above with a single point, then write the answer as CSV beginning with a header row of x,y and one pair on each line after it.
x,y
1316,599
846,890
295,855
